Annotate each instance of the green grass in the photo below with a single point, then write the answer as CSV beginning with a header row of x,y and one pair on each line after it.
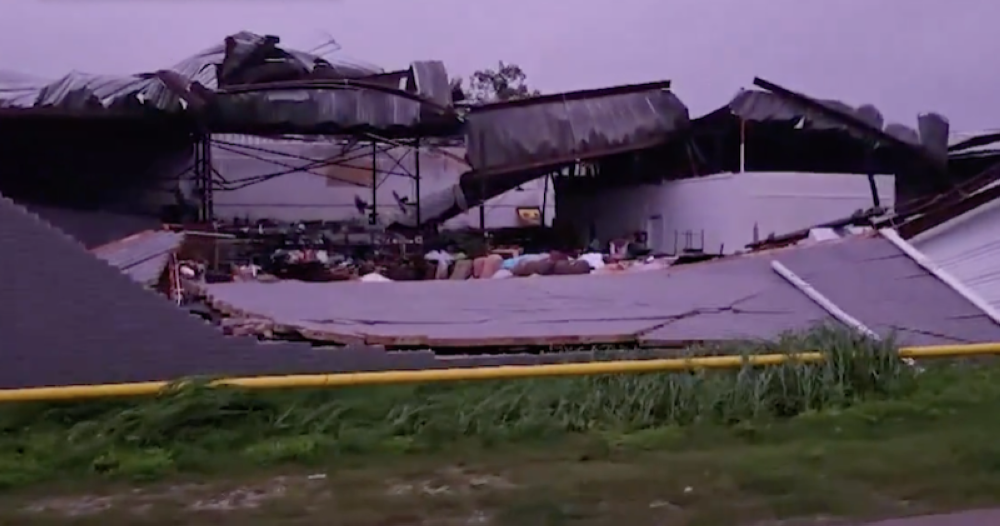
x,y
859,434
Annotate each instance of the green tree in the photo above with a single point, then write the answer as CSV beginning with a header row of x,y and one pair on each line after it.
x,y
506,82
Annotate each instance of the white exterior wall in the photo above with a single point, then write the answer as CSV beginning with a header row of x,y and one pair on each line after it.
x,y
727,206
327,193
968,248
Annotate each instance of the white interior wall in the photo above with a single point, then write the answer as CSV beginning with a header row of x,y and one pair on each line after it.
x,y
727,206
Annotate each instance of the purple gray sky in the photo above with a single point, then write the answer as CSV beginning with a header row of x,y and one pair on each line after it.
x,y
904,56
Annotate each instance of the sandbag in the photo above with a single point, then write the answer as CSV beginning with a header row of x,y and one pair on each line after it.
x,y
571,268
477,267
527,268
491,266
462,270
441,272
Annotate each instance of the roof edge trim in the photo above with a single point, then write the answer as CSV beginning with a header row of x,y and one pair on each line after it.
x,y
820,299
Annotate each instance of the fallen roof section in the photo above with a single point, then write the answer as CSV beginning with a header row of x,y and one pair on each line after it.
x,y
729,299
71,319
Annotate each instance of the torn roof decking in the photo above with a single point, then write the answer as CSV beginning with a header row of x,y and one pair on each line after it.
x,y
730,299
250,84
68,318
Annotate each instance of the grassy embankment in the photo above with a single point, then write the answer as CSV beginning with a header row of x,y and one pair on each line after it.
x,y
860,435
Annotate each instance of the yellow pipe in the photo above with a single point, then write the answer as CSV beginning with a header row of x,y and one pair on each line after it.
x,y
950,351
478,373
405,377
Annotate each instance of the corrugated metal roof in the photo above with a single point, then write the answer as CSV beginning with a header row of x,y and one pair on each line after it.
x,y
320,111
509,136
19,90
755,105
142,257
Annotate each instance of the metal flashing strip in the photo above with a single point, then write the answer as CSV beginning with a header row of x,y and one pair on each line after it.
x,y
930,266
829,306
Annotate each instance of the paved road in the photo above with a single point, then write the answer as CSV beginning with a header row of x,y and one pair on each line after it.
x,y
965,518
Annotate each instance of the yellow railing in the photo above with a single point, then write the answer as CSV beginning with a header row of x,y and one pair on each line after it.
x,y
80,392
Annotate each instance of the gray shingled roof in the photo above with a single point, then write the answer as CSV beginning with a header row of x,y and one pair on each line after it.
x,y
68,318
94,228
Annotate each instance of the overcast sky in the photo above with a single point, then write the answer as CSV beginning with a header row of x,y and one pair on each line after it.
x,y
904,56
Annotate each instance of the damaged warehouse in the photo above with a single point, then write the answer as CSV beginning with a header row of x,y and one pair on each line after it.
x,y
242,180
764,164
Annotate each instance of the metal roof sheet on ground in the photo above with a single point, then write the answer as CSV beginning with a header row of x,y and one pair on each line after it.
x,y
889,292
540,311
143,256
735,298
71,319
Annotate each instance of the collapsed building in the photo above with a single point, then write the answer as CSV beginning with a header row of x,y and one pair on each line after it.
x,y
394,148
250,130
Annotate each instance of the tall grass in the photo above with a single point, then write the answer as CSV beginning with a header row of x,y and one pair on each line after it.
x,y
191,427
